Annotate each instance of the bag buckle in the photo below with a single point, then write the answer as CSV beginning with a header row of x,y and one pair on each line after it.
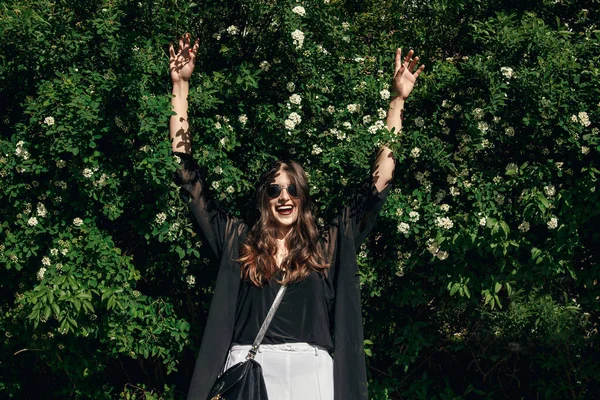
x,y
252,353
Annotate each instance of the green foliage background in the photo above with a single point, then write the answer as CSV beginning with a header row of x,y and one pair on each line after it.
x,y
481,279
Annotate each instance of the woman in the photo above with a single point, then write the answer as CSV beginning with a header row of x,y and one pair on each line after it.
x,y
320,312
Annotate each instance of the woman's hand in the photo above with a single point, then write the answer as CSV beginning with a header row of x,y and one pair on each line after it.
x,y
404,78
182,64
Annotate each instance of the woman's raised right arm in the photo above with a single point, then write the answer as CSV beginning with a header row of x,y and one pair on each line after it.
x,y
181,65
214,223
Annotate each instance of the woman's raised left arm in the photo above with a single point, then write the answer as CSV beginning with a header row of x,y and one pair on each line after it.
x,y
402,85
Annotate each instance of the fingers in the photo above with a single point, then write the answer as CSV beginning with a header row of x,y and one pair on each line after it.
x,y
398,63
194,50
171,52
413,64
418,72
408,57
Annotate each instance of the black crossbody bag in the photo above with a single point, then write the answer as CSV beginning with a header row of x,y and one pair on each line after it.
x,y
244,381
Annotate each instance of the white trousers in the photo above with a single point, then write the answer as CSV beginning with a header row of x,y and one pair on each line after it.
x,y
292,371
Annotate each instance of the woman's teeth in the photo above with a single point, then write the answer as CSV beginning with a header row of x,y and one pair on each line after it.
x,y
284,209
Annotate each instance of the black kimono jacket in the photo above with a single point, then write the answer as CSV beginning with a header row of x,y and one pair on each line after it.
x,y
342,239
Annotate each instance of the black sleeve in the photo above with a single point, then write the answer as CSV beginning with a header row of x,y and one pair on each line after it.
x,y
360,213
214,222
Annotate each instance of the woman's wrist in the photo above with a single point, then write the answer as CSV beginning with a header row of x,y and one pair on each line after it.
x,y
181,86
397,102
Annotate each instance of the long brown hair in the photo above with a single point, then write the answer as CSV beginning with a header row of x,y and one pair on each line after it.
x,y
305,251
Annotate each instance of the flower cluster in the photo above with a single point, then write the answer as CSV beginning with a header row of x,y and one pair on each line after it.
x,y
299,10
292,120
20,151
233,30
298,37
444,222
295,99
403,227
507,72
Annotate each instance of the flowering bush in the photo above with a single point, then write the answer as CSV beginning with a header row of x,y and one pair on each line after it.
x,y
484,261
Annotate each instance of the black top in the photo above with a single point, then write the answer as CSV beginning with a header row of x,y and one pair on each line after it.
x,y
302,316
342,238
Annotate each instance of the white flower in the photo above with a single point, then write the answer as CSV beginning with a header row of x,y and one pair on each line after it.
x,y
524,226
217,36
483,126
46,261
160,218
352,108
510,131
223,141
243,119
454,191
291,86
367,119
177,159
385,94
549,190
399,212
444,222
341,135
574,118
381,113
553,223
346,39
41,210
457,108
77,222
215,185
478,113
316,149
218,125
482,221
218,170
433,247
403,227
40,274
442,255
32,221
445,207
347,125
415,152
584,119
414,216
49,121
295,117
233,30
88,173
295,99
298,37
585,150
345,26
331,109
191,280
299,10
53,252
419,122
359,60
61,164
289,124
230,189
507,72
264,65
446,104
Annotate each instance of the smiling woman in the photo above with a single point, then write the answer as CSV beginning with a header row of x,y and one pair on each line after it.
x,y
320,312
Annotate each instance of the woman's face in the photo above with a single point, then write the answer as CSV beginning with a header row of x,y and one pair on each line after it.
x,y
284,208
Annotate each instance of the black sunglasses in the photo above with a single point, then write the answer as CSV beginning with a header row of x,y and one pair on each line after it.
x,y
274,190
